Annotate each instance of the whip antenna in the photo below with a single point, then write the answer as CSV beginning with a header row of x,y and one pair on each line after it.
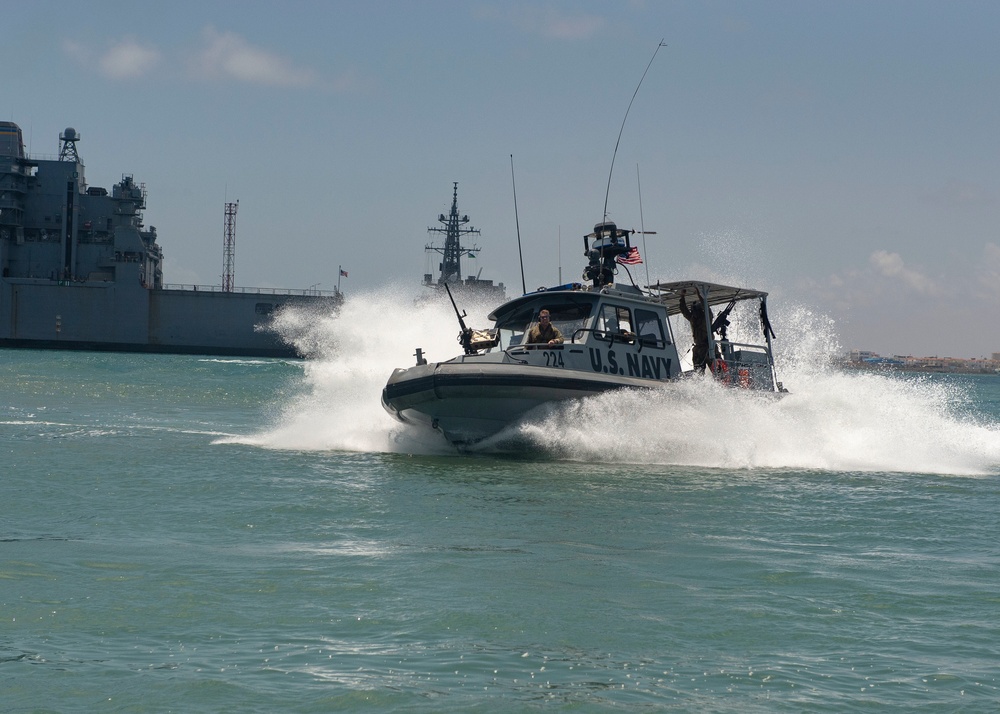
x,y
524,288
607,193
642,224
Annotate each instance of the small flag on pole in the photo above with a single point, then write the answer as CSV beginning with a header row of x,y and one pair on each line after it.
x,y
343,272
630,258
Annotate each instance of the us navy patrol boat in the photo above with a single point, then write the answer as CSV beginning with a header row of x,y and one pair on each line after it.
x,y
80,270
615,336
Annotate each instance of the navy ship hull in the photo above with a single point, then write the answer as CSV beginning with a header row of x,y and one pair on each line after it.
x,y
80,270
106,317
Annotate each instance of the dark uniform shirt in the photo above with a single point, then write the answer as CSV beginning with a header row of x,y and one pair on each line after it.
x,y
699,330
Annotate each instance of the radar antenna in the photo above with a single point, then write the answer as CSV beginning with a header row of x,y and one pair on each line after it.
x,y
67,145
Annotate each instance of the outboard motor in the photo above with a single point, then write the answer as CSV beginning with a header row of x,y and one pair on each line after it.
x,y
601,247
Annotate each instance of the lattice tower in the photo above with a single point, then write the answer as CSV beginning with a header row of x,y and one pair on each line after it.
x,y
229,248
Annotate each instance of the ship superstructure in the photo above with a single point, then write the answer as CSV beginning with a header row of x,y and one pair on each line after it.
x,y
455,228
79,269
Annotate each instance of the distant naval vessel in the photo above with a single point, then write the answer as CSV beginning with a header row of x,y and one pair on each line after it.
x,y
79,270
454,227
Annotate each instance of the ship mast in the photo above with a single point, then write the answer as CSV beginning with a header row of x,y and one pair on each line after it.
x,y
454,228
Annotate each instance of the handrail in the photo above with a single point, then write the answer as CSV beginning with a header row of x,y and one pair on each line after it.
x,y
744,345
507,352
255,291
530,346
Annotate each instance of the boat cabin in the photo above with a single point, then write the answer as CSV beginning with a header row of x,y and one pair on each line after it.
x,y
619,330
612,331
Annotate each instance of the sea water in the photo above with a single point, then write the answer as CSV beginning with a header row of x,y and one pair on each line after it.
x,y
184,533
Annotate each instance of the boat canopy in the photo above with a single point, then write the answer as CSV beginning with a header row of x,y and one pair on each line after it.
x,y
670,293
579,302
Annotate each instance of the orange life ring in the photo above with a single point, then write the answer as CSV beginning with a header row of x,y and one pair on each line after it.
x,y
720,369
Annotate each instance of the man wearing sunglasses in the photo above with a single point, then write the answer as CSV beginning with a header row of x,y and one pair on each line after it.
x,y
544,333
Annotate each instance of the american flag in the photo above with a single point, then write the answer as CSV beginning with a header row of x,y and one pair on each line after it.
x,y
630,258
343,272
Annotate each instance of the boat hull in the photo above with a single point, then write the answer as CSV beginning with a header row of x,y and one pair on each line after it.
x,y
470,402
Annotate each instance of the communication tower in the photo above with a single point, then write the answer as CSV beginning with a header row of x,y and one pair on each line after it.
x,y
229,248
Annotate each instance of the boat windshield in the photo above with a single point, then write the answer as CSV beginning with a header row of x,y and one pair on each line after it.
x,y
567,316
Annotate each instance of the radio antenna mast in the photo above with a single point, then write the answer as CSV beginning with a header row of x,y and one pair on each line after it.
x,y
608,192
520,256
642,223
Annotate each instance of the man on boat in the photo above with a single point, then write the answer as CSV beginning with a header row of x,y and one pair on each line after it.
x,y
544,333
699,329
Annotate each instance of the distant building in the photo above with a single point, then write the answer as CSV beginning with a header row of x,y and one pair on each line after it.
x,y
864,359
862,355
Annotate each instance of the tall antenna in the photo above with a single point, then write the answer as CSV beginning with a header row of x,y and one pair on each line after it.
x,y
559,250
520,257
608,192
229,248
642,224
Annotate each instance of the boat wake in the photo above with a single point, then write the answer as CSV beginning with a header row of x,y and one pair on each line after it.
x,y
830,420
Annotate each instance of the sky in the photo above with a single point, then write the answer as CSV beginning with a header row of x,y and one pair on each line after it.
x,y
841,155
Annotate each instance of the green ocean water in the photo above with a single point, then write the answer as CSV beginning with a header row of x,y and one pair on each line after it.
x,y
184,533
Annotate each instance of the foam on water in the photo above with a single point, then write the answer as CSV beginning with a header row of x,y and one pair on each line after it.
x,y
841,422
353,355
831,419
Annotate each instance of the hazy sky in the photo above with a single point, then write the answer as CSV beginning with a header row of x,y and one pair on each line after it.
x,y
842,155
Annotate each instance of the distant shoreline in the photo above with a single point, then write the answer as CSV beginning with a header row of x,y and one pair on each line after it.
x,y
925,365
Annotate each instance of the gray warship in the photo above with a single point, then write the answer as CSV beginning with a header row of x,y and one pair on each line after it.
x,y
79,270
454,227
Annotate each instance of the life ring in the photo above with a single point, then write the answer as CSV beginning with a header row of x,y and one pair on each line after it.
x,y
720,369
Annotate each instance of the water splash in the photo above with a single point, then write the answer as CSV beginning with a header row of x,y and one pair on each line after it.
x,y
836,421
352,356
831,419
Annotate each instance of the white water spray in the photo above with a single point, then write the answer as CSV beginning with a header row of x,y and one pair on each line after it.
x,y
352,355
830,420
